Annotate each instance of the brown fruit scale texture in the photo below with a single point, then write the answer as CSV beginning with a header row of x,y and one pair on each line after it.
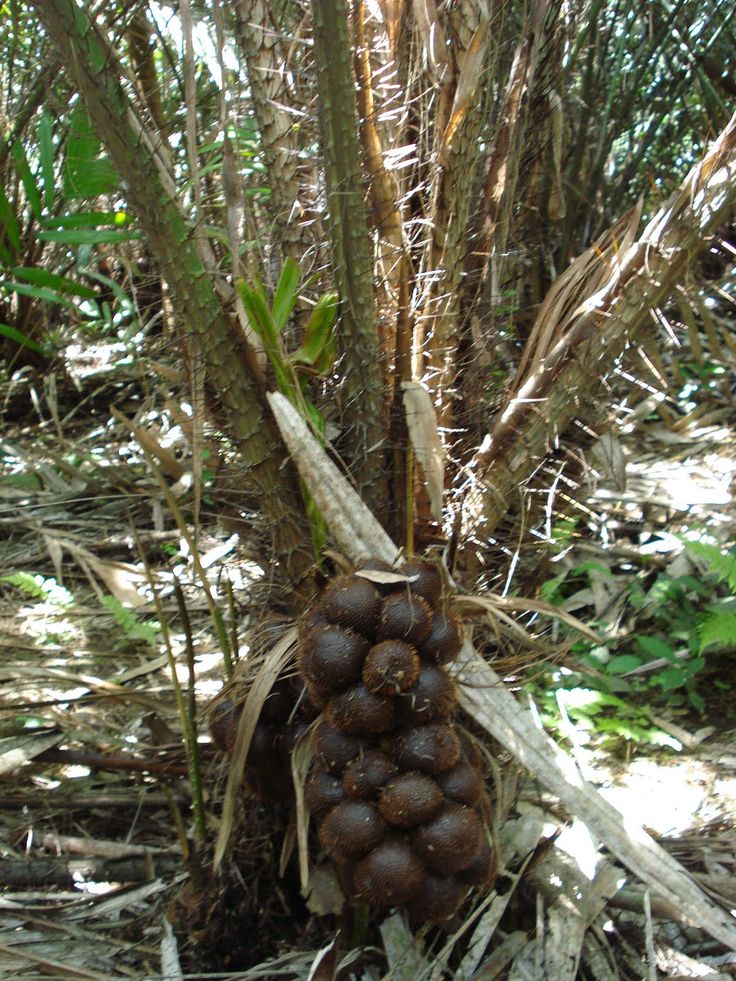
x,y
398,795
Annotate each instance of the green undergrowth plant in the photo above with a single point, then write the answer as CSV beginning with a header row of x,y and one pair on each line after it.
x,y
655,653
48,237
293,370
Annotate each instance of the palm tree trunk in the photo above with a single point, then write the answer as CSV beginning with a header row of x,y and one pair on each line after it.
x,y
233,375
364,402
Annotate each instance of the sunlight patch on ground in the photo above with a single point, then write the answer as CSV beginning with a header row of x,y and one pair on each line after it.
x,y
671,796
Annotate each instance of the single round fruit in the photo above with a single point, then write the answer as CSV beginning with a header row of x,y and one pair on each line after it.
x,y
482,870
351,829
379,565
402,616
273,785
335,749
431,697
427,580
293,732
451,840
332,656
391,875
262,747
316,617
279,703
364,777
439,900
322,792
306,704
350,601
317,695
462,783
432,749
224,719
358,712
472,751
391,667
444,640
410,799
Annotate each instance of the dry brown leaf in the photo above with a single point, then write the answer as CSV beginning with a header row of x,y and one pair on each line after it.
x,y
273,664
301,759
556,207
421,420
354,528
432,35
471,72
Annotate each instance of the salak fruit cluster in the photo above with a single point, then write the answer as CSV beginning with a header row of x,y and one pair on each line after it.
x,y
396,790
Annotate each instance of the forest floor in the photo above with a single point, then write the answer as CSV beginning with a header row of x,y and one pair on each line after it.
x,y
94,797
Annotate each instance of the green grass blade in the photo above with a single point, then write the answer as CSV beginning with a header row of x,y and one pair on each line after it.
x,y
20,338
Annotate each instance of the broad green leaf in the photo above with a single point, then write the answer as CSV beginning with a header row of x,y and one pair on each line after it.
x,y
287,293
20,338
38,293
697,701
116,288
9,227
88,236
655,647
52,281
623,663
29,181
670,679
46,153
86,174
259,315
87,219
318,349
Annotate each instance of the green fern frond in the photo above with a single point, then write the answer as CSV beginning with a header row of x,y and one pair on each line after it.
x,y
717,629
27,583
38,587
126,619
721,563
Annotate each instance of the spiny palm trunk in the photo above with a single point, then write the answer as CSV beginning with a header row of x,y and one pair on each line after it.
x,y
231,368
279,126
364,389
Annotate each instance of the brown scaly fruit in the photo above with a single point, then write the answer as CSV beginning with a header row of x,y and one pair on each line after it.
x,y
391,667
351,601
364,777
402,616
432,749
335,749
224,719
279,703
390,875
450,841
482,870
427,580
351,829
410,799
332,657
358,712
439,899
322,792
445,638
431,698
462,783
